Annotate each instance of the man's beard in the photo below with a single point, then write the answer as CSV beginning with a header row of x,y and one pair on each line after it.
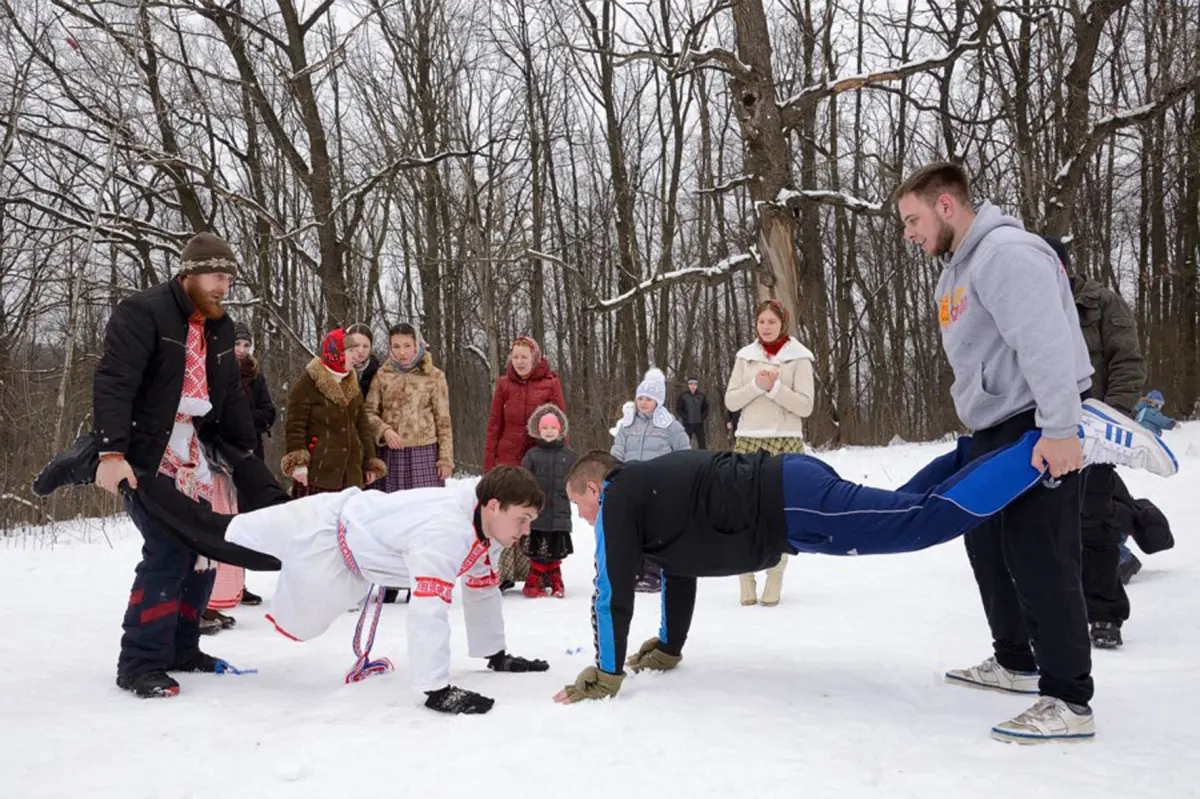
x,y
945,239
208,307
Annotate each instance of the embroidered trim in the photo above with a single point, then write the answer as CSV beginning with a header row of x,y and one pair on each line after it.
x,y
478,550
347,555
490,581
432,586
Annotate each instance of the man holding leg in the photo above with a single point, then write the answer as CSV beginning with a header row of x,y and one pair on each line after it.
x,y
1011,333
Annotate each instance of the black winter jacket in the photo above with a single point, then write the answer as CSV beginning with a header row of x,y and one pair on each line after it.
x,y
138,383
550,463
694,513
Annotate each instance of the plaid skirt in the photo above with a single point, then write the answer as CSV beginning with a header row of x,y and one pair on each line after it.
x,y
409,467
780,445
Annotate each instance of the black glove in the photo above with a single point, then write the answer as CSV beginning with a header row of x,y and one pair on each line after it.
x,y
502,661
457,700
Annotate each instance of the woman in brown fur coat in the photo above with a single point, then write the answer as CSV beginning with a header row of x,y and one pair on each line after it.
x,y
329,441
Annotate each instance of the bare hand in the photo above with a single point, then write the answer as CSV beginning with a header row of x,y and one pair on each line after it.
x,y
300,477
444,472
392,439
562,698
1059,455
112,472
372,476
766,379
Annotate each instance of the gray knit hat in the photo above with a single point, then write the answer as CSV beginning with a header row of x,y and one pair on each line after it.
x,y
206,253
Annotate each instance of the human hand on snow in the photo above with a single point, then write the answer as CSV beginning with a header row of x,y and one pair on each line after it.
x,y
502,661
457,700
651,658
590,684
392,439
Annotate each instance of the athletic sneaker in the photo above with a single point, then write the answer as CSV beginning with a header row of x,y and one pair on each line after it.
x,y
992,676
1109,436
1050,719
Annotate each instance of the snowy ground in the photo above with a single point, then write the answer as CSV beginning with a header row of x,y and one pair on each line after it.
x,y
837,691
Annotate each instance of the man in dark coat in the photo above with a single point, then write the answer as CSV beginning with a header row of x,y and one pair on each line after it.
x,y
1120,373
691,409
166,386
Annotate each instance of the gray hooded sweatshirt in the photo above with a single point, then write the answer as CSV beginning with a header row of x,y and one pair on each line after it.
x,y
1010,328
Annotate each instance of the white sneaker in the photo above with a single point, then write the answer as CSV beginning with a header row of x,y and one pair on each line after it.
x,y
1110,436
1049,719
992,676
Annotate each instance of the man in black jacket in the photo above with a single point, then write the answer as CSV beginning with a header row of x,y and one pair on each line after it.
x,y
691,408
703,514
168,383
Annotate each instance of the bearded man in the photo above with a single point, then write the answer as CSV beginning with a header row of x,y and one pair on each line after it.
x,y
168,381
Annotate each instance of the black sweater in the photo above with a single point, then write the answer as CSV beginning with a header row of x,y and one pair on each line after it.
x,y
695,514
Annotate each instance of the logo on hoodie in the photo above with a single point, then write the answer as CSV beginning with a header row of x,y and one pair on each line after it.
x,y
951,306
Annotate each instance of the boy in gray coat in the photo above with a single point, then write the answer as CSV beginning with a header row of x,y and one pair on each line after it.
x,y
645,431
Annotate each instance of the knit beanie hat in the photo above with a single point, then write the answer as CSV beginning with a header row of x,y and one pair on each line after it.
x,y
205,253
241,332
550,419
653,385
333,351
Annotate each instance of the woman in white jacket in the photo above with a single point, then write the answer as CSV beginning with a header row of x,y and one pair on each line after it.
x,y
772,386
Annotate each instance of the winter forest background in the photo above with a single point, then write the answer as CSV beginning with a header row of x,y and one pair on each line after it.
x,y
619,179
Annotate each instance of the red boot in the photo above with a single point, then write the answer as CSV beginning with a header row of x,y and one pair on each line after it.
x,y
554,575
535,581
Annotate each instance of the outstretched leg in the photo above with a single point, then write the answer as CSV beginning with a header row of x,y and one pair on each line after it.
x,y
829,515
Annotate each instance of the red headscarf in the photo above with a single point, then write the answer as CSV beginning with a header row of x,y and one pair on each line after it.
x,y
333,351
776,307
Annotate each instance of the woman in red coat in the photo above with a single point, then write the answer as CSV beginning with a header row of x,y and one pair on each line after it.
x,y
527,383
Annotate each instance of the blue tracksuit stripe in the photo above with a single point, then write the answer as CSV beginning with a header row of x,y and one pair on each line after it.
x,y
602,607
662,603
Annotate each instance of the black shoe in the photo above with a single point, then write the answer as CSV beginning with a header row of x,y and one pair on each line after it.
x,y
201,663
505,585
1128,568
149,684
1106,635
250,598
74,467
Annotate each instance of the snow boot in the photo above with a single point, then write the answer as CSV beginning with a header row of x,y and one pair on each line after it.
x,y
201,663
554,575
1050,719
155,684
534,581
992,676
75,466
1106,635
749,588
648,583
774,586
250,598
1128,568
220,618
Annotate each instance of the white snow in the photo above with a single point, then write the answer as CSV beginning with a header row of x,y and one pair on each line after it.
x,y
835,692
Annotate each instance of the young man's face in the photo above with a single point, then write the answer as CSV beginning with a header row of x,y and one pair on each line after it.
x,y
926,223
509,525
692,386
587,500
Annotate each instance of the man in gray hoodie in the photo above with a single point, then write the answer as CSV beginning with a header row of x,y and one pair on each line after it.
x,y
1011,332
